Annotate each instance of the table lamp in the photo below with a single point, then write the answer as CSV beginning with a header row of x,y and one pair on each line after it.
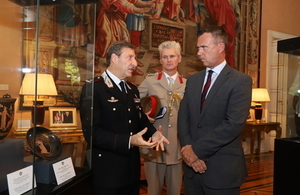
x,y
44,86
259,95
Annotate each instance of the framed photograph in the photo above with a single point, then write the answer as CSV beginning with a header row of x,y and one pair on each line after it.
x,y
62,116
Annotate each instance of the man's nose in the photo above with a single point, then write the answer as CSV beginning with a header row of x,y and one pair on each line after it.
x,y
134,62
200,51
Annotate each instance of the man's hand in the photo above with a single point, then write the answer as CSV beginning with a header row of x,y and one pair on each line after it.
x,y
152,120
192,160
159,138
138,140
188,155
199,166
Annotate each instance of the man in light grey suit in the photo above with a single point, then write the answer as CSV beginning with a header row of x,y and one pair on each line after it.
x,y
210,135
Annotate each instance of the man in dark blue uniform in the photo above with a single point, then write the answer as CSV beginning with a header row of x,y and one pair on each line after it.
x,y
119,125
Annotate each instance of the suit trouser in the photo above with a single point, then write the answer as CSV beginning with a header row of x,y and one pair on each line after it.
x,y
158,173
196,186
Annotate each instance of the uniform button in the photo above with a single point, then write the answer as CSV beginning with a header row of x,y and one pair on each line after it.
x,y
129,121
130,133
170,93
170,126
99,155
171,114
128,109
114,109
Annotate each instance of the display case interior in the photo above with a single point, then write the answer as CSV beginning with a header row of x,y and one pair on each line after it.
x,y
288,105
286,162
56,50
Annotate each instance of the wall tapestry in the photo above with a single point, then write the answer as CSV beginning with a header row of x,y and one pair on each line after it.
x,y
66,34
179,20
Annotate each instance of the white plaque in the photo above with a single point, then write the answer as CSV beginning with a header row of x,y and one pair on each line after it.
x,y
20,181
24,124
63,170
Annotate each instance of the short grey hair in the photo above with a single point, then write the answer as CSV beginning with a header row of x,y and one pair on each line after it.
x,y
170,45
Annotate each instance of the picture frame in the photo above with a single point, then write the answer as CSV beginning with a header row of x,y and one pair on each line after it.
x,y
63,116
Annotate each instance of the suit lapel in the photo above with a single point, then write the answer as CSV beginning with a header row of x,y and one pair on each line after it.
x,y
198,89
117,93
216,86
163,82
131,95
177,84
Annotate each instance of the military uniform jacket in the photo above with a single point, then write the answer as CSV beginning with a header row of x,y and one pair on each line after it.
x,y
156,84
115,118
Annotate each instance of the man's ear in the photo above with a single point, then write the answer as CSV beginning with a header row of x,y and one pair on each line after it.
x,y
179,58
114,58
222,47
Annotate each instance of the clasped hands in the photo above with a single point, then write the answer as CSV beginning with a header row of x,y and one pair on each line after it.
x,y
156,140
191,159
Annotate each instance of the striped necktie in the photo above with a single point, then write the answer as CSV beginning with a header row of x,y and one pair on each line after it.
x,y
206,87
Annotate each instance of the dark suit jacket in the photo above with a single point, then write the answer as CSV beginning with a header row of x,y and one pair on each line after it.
x,y
68,119
115,118
214,133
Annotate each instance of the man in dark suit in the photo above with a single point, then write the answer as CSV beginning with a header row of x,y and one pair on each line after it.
x,y
68,117
119,126
210,134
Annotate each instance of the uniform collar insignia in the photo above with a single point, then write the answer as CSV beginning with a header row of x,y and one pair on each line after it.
x,y
180,79
107,80
159,75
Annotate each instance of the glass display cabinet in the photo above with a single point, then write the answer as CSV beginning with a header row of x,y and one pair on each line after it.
x,y
288,105
286,159
46,55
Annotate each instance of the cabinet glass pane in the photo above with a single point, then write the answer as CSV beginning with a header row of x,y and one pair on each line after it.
x,y
47,54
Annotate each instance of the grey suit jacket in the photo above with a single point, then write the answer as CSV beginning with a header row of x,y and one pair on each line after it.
x,y
215,132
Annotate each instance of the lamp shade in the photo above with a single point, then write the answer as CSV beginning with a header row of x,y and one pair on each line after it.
x,y
260,95
40,84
